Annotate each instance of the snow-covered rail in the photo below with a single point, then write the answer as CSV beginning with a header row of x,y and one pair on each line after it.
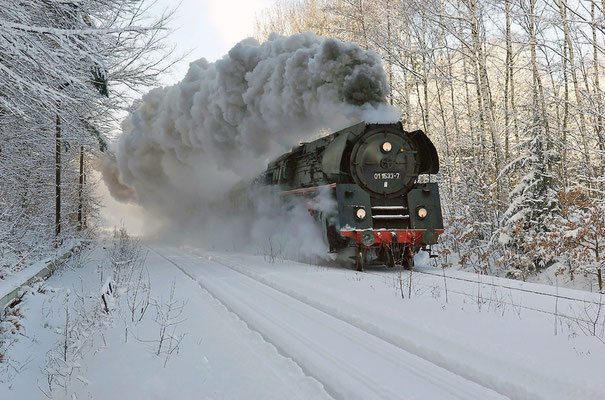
x,y
11,287
351,362
570,304
577,296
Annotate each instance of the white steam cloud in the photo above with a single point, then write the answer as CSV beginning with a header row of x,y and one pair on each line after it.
x,y
186,145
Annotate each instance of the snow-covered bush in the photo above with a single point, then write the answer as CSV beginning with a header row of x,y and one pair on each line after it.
x,y
125,256
577,237
124,296
83,319
168,317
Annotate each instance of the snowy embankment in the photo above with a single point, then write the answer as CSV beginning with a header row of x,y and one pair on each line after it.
x,y
11,286
252,328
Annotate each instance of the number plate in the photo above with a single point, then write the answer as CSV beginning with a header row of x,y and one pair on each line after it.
x,y
386,175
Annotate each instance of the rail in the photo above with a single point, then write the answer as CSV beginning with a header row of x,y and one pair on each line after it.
x,y
556,313
10,288
585,301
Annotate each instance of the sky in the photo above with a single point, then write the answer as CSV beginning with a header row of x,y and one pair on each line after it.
x,y
202,28
208,28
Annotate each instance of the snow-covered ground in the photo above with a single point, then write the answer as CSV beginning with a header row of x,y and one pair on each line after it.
x,y
255,327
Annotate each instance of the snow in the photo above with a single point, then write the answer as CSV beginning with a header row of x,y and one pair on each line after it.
x,y
221,358
19,278
553,276
259,329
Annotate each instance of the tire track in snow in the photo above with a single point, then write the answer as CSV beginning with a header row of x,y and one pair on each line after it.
x,y
246,323
434,378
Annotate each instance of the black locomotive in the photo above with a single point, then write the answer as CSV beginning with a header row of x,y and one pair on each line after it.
x,y
371,170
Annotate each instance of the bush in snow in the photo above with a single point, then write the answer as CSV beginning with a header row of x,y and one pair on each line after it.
x,y
577,237
169,315
124,294
84,320
125,256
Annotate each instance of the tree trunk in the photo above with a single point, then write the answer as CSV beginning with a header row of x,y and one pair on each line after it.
x,y
452,93
597,88
509,85
425,70
81,189
538,89
565,123
389,57
574,77
362,23
487,116
557,105
598,260
469,110
57,178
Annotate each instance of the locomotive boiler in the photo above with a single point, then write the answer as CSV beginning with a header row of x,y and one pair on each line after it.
x,y
371,171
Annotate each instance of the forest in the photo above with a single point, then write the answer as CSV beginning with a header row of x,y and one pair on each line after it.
x,y
68,72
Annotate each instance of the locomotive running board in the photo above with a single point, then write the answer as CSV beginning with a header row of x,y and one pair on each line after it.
x,y
307,190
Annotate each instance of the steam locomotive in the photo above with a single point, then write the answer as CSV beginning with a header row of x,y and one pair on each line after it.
x,y
371,171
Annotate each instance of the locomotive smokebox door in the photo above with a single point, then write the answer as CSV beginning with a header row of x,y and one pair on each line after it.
x,y
425,207
354,207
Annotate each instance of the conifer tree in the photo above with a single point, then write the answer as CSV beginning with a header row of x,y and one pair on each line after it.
x,y
533,205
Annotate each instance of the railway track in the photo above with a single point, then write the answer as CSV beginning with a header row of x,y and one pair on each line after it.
x,y
558,306
350,360
490,289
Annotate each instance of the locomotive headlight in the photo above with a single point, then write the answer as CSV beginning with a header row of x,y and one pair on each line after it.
x,y
360,214
421,212
367,238
386,147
